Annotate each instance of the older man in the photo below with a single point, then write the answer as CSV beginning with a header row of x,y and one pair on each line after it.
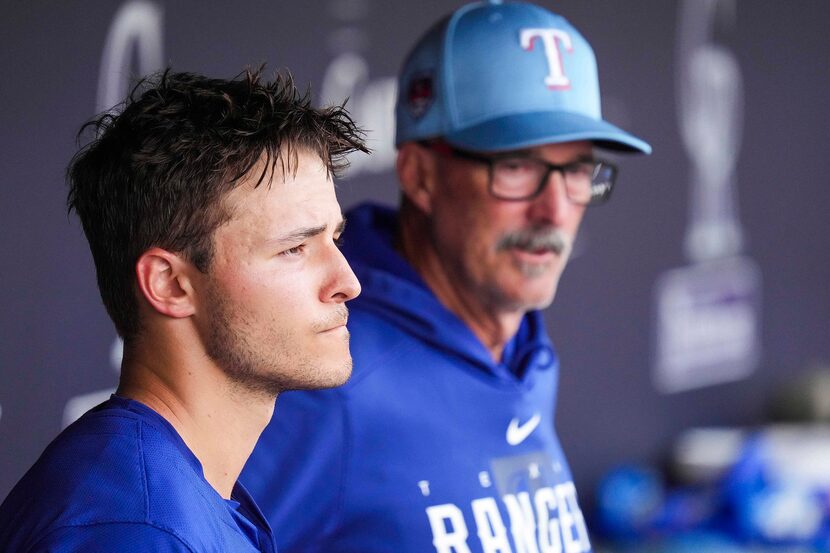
x,y
211,215
443,440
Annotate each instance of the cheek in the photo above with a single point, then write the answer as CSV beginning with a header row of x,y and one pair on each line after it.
x,y
464,223
496,222
458,236
266,290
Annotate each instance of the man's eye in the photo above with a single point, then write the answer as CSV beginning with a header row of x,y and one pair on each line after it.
x,y
338,241
580,168
516,165
296,250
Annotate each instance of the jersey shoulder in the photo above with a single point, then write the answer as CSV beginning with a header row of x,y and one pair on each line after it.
x,y
124,537
111,472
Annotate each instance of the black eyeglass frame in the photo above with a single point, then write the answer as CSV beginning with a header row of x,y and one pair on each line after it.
x,y
601,197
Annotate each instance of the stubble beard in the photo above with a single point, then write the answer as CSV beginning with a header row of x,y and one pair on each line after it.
x,y
262,366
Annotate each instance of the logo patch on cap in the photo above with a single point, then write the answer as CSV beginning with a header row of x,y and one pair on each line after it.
x,y
420,95
554,41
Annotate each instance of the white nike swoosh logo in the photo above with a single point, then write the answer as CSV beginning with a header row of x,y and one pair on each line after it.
x,y
517,433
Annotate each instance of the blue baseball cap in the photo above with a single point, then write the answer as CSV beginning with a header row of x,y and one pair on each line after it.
x,y
502,76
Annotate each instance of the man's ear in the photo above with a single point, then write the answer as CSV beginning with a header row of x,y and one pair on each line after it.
x,y
164,281
417,173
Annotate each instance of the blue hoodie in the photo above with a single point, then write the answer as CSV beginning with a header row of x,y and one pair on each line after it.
x,y
431,445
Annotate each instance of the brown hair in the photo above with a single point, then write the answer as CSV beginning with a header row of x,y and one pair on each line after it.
x,y
156,173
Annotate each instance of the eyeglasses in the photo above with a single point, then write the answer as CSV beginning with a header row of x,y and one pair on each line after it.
x,y
520,177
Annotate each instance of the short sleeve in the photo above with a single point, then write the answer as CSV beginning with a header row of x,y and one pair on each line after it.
x,y
109,537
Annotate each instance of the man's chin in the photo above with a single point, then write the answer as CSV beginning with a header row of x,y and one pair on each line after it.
x,y
329,375
532,294
341,377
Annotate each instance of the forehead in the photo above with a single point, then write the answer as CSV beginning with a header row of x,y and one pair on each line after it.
x,y
302,195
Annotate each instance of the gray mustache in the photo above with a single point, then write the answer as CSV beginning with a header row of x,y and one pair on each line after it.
x,y
552,239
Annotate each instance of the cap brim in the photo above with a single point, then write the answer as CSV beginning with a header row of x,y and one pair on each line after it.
x,y
512,132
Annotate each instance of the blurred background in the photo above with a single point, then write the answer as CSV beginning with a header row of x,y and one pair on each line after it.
x,y
693,323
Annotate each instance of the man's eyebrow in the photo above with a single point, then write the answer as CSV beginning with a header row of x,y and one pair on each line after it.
x,y
304,233
586,157
341,226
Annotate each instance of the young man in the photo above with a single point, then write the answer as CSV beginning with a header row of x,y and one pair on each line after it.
x,y
443,439
212,219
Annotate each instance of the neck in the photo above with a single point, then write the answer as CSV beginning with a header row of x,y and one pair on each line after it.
x,y
492,326
218,422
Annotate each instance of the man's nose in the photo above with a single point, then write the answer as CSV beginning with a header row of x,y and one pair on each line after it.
x,y
342,283
552,206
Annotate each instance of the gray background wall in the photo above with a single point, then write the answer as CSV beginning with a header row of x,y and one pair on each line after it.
x,y
767,61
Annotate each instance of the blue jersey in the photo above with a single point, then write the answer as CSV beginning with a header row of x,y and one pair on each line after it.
x,y
431,445
121,479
